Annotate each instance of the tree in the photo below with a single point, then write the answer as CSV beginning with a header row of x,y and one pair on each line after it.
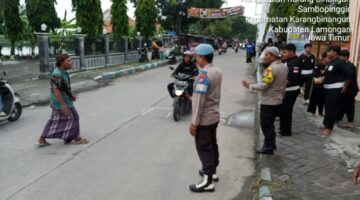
x,y
221,28
119,18
146,14
13,23
89,16
289,9
36,15
28,32
242,29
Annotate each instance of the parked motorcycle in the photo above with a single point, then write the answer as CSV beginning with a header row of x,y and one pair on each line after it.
x,y
143,54
11,101
182,99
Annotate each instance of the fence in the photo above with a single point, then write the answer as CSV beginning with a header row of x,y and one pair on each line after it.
x,y
88,53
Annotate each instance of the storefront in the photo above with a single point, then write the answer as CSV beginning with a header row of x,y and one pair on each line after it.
x,y
355,35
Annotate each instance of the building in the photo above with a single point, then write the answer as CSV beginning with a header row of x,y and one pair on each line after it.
x,y
355,35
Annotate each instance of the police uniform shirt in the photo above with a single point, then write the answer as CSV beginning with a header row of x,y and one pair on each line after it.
x,y
205,105
337,72
307,64
294,72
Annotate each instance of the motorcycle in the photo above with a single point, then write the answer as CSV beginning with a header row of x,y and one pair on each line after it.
x,y
172,58
143,54
182,100
236,48
11,101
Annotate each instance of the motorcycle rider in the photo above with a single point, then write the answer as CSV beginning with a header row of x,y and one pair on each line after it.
x,y
187,66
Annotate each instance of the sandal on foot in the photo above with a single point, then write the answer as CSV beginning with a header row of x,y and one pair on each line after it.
x,y
42,144
81,141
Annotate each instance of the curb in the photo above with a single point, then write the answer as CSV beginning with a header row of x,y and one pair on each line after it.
x,y
130,71
265,178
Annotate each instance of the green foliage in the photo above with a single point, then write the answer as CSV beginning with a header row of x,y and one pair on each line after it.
x,y
119,18
242,29
36,15
89,16
13,23
206,3
146,14
221,28
288,9
28,35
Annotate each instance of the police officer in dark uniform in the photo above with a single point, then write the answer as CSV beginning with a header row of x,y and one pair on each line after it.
x,y
336,82
348,100
292,88
307,66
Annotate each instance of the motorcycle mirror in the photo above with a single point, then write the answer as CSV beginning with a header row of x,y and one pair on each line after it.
x,y
171,67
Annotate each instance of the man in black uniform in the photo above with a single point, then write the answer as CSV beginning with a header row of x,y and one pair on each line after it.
x,y
307,66
187,67
317,98
336,82
292,88
348,101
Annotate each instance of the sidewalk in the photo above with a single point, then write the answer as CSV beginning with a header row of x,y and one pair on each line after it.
x,y
307,166
23,77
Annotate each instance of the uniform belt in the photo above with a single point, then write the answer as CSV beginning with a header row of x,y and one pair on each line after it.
x,y
293,88
334,85
306,72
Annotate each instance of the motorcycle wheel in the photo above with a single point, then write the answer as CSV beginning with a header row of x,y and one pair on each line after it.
x,y
177,111
15,115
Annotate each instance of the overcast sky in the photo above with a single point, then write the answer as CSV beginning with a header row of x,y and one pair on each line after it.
x,y
105,4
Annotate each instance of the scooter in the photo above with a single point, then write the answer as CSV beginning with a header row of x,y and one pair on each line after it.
x,y
236,48
11,101
143,54
182,100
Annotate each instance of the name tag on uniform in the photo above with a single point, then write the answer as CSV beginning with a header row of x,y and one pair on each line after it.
x,y
296,70
201,88
330,68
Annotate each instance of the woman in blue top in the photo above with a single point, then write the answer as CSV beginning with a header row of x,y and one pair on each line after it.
x,y
64,121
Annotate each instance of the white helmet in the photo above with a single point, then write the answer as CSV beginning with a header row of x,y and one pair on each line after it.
x,y
187,53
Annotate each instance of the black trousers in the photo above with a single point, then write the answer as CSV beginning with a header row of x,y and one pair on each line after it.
x,y
307,81
248,57
287,111
170,88
268,114
347,107
332,105
207,148
317,100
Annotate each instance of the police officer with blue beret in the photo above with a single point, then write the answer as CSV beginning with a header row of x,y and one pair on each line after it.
x,y
206,117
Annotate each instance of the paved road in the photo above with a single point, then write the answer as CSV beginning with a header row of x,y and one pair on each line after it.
x,y
137,151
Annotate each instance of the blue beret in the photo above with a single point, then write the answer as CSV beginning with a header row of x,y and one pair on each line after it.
x,y
204,50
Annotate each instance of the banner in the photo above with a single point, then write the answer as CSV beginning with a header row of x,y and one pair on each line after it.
x,y
211,13
298,37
